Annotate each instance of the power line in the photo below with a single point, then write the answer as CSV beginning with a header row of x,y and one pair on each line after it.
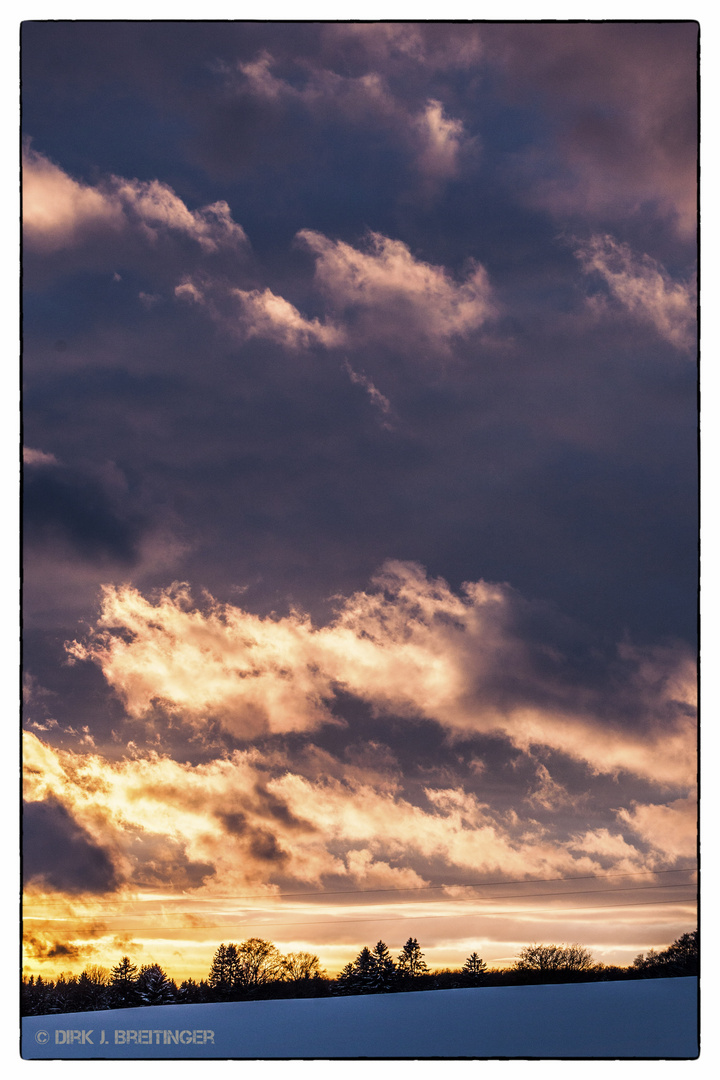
x,y
376,918
506,896
393,889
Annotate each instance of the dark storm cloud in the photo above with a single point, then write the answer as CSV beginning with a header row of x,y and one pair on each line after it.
x,y
158,858
66,509
45,947
59,854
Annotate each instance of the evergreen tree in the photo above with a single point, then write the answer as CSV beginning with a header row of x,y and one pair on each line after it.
x,y
364,972
154,987
27,995
191,992
63,996
224,975
411,961
85,998
346,981
123,985
384,975
474,968
93,988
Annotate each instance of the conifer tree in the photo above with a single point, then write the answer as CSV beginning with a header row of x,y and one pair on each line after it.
x,y
123,984
346,980
384,968
364,971
474,967
411,961
154,987
224,974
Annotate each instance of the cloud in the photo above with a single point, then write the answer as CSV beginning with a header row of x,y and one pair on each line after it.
x,y
549,794
263,314
433,140
37,457
59,854
619,105
412,46
384,292
252,819
668,827
643,287
380,293
60,212
156,208
604,844
81,515
252,313
376,397
57,210
410,648
440,142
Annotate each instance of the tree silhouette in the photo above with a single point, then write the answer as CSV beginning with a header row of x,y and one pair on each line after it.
x,y
123,988
474,968
259,962
191,992
154,987
91,994
384,975
296,967
364,971
346,981
224,976
554,958
680,958
411,961
64,994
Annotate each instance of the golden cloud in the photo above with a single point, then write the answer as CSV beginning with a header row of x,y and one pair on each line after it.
x,y
411,648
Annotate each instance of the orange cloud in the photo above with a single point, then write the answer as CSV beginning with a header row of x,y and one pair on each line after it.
x,y
157,818
412,648
670,827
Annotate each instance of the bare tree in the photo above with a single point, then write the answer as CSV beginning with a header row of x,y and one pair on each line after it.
x,y
550,958
259,962
301,965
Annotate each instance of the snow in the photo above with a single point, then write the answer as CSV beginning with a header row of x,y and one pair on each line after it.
x,y
653,1018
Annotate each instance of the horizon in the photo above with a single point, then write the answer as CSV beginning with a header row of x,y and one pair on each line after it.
x,y
499,964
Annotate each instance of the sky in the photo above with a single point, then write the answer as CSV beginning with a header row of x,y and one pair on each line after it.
x,y
360,485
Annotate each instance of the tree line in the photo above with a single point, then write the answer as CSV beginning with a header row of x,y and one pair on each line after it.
x,y
256,969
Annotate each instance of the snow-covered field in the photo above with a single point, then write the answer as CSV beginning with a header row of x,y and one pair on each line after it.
x,y
654,1018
